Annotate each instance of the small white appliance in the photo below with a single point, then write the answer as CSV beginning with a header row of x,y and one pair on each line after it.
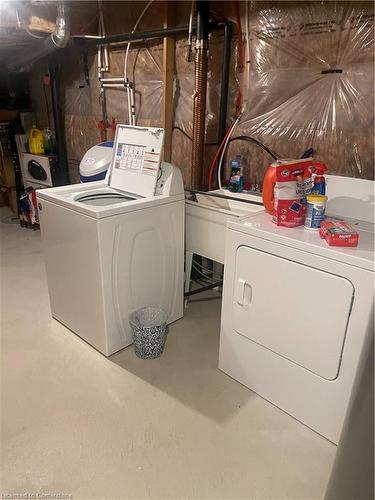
x,y
116,245
297,315
37,170
96,162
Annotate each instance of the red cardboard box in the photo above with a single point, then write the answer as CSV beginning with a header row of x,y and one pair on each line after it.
x,y
338,234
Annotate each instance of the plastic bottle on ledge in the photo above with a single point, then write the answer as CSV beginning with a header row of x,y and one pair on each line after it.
x,y
319,180
236,175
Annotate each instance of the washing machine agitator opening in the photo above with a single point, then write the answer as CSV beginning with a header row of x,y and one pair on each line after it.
x,y
104,199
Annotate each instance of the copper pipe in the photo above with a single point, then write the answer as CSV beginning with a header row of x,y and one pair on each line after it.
x,y
199,116
199,97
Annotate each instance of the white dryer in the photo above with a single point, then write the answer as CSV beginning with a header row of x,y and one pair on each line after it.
x,y
116,245
297,315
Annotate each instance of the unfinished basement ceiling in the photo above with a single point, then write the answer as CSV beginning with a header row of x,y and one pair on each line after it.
x,y
281,110
24,25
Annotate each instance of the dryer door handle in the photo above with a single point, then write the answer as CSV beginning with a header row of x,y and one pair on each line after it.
x,y
243,293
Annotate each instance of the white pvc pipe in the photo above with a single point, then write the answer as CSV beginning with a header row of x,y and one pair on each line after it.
x,y
113,80
113,85
106,61
132,105
223,152
129,105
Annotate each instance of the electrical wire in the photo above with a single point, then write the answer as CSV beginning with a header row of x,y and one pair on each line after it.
x,y
199,264
223,147
202,279
208,276
250,139
206,269
247,139
128,89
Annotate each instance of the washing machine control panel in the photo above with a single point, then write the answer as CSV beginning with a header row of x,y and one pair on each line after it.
x,y
169,181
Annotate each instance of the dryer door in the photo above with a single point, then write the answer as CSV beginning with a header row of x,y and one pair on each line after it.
x,y
298,312
36,171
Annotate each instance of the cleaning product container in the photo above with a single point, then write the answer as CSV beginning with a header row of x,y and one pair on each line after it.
x,y
315,210
149,326
36,144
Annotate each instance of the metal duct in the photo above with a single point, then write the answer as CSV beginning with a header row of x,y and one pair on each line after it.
x,y
56,40
199,97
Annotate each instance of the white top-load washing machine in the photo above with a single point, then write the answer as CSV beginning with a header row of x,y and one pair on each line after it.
x,y
297,315
116,245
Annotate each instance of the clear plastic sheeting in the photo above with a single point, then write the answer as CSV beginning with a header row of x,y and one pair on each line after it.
x,y
311,85
82,106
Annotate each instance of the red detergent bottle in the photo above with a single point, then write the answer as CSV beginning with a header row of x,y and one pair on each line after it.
x,y
285,186
319,186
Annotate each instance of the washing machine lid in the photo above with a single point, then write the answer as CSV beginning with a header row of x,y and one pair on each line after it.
x,y
136,159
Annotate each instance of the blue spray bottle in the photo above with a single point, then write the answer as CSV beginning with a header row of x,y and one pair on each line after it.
x,y
236,175
319,180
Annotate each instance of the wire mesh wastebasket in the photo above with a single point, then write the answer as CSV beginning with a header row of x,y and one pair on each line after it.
x,y
149,326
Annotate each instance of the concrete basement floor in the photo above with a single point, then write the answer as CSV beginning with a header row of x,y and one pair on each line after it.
x,y
76,423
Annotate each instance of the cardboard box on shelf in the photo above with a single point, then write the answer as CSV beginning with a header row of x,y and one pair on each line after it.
x,y
7,175
8,198
7,115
